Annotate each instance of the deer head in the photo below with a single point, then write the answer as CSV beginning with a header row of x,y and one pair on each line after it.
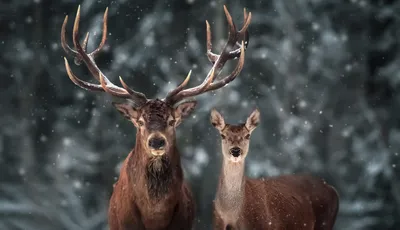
x,y
235,139
156,122
157,119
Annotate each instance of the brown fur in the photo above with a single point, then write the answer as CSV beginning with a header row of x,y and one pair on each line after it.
x,y
288,202
150,192
159,176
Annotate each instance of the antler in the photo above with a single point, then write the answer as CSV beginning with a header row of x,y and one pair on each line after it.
x,y
231,50
88,58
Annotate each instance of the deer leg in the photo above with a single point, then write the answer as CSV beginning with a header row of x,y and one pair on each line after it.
x,y
181,220
134,221
184,212
124,221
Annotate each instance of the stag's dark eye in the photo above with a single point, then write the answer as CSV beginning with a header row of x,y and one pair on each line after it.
x,y
223,136
171,122
247,136
140,123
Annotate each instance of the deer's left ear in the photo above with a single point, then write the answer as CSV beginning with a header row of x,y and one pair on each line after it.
x,y
253,120
184,110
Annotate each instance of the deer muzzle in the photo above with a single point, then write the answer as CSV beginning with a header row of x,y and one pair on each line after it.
x,y
157,144
235,151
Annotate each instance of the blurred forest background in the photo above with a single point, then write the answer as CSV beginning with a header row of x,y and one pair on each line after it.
x,y
324,73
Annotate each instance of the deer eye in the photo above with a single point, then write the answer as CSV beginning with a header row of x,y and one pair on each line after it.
x,y
223,136
140,123
171,122
247,136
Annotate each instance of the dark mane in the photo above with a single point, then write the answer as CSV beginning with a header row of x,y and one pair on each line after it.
x,y
158,176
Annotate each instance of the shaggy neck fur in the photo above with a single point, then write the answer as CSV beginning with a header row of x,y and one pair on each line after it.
x,y
157,174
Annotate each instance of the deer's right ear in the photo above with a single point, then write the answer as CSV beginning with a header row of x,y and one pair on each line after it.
x,y
217,120
126,110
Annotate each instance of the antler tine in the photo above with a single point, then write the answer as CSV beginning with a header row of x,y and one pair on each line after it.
x,y
179,94
244,15
103,37
245,20
116,91
85,42
243,34
64,43
224,81
180,87
233,38
231,25
79,82
212,57
67,48
140,96
122,93
80,55
195,90
210,86
218,61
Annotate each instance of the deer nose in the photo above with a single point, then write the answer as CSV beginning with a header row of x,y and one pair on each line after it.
x,y
157,143
235,151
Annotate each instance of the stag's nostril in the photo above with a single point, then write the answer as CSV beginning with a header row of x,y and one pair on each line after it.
x,y
156,143
235,151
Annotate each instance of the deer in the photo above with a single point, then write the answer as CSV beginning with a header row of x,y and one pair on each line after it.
x,y
151,192
290,202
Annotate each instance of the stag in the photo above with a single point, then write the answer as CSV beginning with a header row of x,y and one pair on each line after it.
x,y
290,202
151,192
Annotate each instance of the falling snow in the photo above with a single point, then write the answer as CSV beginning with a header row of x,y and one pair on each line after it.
x,y
324,78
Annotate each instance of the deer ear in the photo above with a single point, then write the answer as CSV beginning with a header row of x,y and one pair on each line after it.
x,y
126,110
217,120
184,110
253,120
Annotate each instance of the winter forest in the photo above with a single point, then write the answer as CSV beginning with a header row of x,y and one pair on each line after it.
x,y
325,75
